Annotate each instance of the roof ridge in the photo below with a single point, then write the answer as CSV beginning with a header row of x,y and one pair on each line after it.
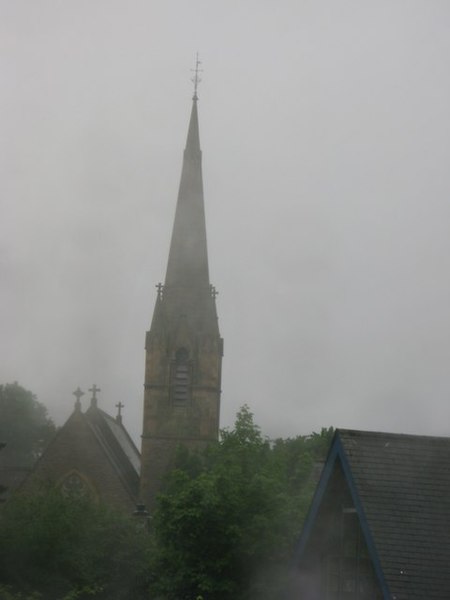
x,y
362,432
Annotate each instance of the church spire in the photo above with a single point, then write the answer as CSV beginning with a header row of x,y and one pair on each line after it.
x,y
188,258
183,346
196,78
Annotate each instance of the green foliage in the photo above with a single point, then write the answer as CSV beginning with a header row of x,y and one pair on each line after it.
x,y
7,593
224,528
227,520
24,426
67,549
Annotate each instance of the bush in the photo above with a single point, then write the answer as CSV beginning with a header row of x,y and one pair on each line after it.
x,y
65,549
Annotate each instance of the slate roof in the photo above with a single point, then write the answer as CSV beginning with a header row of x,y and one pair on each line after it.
x,y
402,485
118,446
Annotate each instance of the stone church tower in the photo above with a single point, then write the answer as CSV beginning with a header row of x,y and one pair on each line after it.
x,y
183,347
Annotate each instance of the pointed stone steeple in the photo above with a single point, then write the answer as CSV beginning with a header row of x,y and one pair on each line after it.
x,y
183,346
187,289
188,256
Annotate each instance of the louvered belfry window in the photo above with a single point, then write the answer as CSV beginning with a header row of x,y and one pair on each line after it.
x,y
181,378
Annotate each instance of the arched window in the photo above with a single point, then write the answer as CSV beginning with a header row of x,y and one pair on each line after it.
x,y
181,378
74,485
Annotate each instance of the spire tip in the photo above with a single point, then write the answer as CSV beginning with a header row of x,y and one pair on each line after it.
x,y
196,79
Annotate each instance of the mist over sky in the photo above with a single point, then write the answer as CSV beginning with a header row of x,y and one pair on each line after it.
x,y
325,133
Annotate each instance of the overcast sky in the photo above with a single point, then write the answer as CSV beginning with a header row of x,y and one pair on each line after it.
x,y
325,132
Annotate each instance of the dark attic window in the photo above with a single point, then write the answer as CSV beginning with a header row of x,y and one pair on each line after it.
x,y
181,378
349,571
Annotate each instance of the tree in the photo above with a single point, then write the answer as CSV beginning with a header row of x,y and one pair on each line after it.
x,y
58,548
25,426
225,525
3,488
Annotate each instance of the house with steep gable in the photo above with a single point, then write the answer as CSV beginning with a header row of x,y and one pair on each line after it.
x,y
379,522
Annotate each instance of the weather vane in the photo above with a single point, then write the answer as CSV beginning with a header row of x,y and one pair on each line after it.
x,y
196,79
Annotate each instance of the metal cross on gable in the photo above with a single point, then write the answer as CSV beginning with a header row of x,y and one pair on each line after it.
x,y
94,389
119,407
160,288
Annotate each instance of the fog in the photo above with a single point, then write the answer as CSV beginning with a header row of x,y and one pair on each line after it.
x,y
325,135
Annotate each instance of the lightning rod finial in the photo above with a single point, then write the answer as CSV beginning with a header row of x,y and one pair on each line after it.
x,y
196,79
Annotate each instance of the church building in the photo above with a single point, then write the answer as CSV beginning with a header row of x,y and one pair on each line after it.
x,y
92,453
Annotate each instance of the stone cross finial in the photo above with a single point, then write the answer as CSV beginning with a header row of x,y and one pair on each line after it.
x,y
119,407
78,393
94,389
160,288
214,292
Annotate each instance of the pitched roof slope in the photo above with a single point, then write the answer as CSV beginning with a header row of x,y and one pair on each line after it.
x,y
403,484
118,446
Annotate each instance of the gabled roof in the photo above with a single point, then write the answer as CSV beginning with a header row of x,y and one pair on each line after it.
x,y
400,486
98,447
